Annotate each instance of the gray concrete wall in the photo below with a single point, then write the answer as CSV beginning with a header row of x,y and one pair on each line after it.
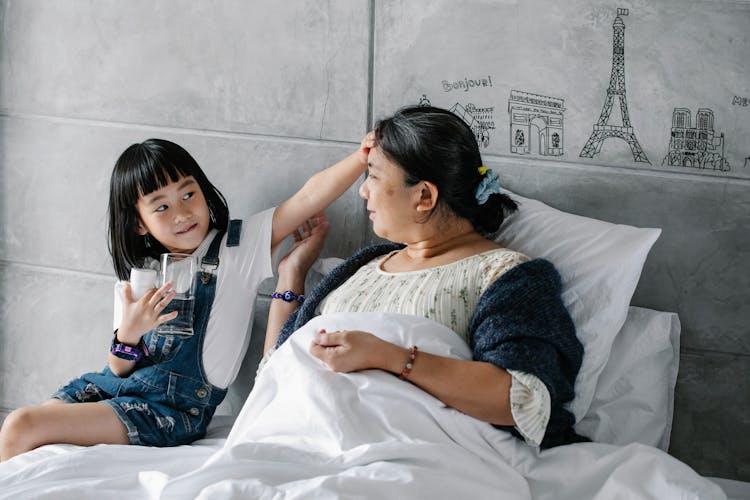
x,y
263,94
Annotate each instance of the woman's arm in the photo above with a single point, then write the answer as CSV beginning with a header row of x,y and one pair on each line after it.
x,y
319,191
479,389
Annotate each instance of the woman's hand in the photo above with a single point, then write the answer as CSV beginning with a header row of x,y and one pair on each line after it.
x,y
368,142
140,316
349,351
476,388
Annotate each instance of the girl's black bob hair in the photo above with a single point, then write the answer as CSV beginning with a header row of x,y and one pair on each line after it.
x,y
141,169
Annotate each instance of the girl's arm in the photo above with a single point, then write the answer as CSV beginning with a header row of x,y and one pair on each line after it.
x,y
471,387
293,269
138,317
319,191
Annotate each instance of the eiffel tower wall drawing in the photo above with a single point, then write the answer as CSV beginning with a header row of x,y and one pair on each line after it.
x,y
616,94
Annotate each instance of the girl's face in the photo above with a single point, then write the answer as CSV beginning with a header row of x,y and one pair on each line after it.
x,y
176,215
390,202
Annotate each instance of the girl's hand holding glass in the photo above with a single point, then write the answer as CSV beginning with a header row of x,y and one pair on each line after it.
x,y
145,314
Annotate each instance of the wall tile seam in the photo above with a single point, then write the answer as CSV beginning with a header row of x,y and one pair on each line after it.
x,y
488,157
4,412
57,270
694,351
614,169
364,218
371,67
213,133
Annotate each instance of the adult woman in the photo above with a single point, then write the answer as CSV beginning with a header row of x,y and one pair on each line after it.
x,y
427,189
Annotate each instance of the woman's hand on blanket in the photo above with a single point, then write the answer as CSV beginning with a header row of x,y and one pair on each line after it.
x,y
349,351
308,243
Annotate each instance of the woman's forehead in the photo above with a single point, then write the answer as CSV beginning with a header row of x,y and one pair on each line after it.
x,y
375,156
379,160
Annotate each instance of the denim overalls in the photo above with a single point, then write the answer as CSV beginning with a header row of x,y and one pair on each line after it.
x,y
167,400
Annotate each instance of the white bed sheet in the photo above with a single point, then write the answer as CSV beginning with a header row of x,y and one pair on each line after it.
x,y
69,472
54,471
734,490
306,432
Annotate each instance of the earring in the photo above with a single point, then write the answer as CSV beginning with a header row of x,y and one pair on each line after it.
x,y
146,241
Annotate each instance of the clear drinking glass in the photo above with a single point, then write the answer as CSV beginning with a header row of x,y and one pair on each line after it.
x,y
180,269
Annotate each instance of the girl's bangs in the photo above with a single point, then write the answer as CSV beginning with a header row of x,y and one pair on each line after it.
x,y
153,175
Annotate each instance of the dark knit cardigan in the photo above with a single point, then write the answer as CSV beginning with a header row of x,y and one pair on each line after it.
x,y
520,324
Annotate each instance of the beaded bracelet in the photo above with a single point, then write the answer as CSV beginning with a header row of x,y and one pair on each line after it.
x,y
288,296
409,364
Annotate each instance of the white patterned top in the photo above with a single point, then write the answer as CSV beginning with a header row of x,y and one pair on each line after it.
x,y
449,295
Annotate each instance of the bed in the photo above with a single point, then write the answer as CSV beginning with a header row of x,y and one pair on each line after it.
x,y
306,432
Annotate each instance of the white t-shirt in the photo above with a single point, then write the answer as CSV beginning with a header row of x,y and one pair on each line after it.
x,y
241,270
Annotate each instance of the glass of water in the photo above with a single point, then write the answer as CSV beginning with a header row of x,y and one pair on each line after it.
x,y
180,269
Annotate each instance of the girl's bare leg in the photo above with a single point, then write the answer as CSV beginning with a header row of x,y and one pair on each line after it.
x,y
83,424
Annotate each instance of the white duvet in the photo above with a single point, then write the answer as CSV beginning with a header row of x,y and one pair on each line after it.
x,y
307,432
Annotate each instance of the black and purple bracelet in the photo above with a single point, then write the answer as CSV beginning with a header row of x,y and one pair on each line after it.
x,y
288,296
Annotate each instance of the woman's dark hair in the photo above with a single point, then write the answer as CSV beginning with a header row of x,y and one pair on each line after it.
x,y
435,145
140,170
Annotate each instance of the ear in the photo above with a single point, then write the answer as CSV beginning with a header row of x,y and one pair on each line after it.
x,y
141,229
428,196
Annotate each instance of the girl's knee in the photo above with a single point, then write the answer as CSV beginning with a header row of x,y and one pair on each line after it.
x,y
17,432
19,419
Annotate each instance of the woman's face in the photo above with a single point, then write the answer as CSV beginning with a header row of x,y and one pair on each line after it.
x,y
390,202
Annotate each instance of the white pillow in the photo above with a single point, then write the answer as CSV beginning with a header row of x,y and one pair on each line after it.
x,y
600,264
634,398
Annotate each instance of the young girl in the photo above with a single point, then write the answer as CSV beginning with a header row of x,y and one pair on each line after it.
x,y
160,389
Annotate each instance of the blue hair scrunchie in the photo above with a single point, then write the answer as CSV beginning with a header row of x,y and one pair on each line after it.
x,y
490,185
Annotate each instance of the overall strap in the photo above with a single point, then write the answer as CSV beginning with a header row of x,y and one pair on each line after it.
x,y
233,232
212,254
